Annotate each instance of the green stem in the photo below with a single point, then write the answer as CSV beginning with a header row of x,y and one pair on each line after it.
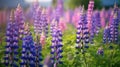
x,y
111,57
85,60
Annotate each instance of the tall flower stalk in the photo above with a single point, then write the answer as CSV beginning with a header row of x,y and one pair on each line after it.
x,y
114,26
97,21
28,53
37,21
95,26
82,31
41,22
12,35
44,22
19,18
106,35
56,47
82,38
89,18
90,13
38,54
93,30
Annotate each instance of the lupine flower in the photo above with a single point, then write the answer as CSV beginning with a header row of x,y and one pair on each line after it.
x,y
106,35
19,18
8,45
44,22
28,53
56,47
37,22
79,29
82,32
93,29
32,52
52,25
114,26
24,56
15,43
38,54
12,35
90,12
97,21
41,22
100,51
95,26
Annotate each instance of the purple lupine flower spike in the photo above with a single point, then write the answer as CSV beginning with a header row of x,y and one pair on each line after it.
x,y
97,21
89,19
85,33
95,26
41,22
32,52
82,32
79,29
38,54
15,43
8,41
53,46
59,46
52,25
12,42
106,35
44,22
89,13
56,47
28,53
19,18
37,21
93,31
114,26
24,56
